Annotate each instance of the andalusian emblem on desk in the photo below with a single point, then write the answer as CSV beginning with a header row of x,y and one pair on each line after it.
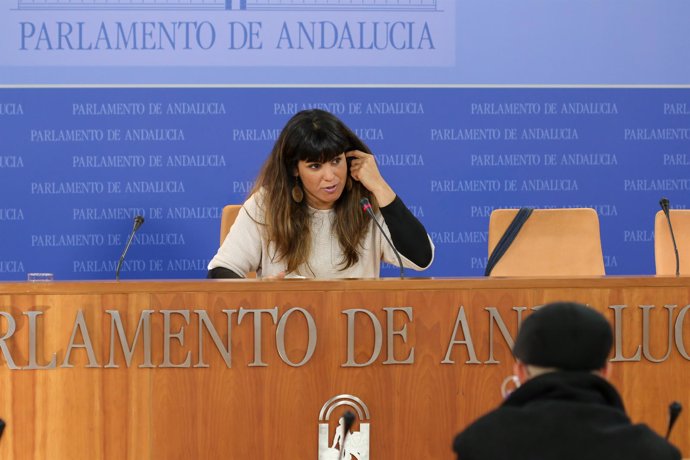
x,y
336,443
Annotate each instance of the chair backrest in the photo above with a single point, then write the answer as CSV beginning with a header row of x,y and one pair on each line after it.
x,y
227,219
664,255
553,242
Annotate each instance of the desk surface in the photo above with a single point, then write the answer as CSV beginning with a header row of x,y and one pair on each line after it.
x,y
383,284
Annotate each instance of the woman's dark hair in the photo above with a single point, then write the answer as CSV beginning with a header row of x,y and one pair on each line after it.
x,y
313,136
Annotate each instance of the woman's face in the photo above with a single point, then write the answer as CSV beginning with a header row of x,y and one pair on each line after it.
x,y
323,183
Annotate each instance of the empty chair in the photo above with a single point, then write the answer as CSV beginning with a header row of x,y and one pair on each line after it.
x,y
552,242
227,219
664,255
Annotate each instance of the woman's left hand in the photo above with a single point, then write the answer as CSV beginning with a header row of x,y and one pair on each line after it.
x,y
363,168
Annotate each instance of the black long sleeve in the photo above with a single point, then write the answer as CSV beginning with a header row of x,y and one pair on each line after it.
x,y
222,272
408,234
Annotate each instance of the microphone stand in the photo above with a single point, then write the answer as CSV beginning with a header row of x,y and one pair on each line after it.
x,y
366,207
664,203
348,421
674,410
138,221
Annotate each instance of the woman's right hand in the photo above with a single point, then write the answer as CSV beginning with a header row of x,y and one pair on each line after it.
x,y
363,168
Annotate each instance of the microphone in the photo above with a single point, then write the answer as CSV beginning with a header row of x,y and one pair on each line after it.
x,y
349,419
664,203
366,207
674,410
138,221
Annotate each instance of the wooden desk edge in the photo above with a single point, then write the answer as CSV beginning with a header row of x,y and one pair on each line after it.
x,y
383,284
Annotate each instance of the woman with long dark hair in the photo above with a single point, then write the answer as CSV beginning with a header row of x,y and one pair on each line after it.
x,y
303,217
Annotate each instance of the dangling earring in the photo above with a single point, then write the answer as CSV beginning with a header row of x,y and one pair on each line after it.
x,y
297,192
348,183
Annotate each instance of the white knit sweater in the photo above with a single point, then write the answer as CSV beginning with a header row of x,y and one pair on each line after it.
x,y
246,249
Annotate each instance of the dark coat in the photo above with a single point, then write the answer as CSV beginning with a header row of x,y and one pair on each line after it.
x,y
561,416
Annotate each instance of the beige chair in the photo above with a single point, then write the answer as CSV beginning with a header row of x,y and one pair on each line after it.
x,y
552,242
227,219
664,255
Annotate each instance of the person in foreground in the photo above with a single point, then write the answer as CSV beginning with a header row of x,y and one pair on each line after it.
x,y
304,219
564,408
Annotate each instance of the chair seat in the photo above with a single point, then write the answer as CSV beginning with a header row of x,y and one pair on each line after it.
x,y
552,242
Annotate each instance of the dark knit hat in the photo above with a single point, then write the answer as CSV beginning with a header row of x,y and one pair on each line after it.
x,y
564,335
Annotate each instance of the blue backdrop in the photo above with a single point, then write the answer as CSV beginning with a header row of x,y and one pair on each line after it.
x,y
79,164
